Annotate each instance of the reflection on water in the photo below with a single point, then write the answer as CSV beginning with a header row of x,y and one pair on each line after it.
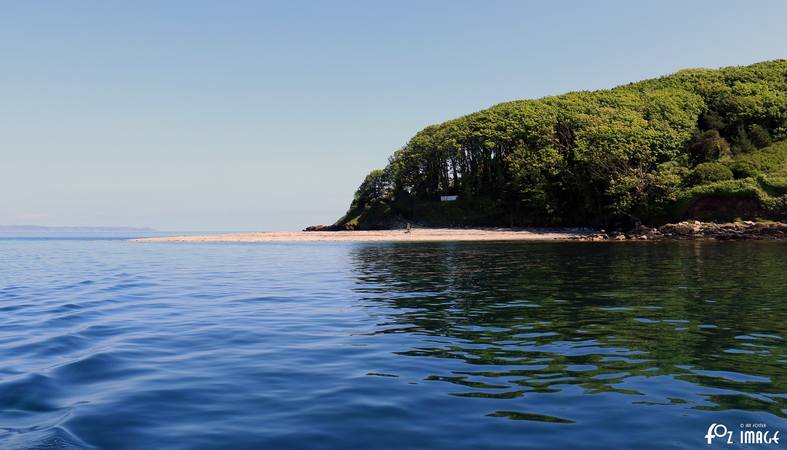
x,y
699,325
108,344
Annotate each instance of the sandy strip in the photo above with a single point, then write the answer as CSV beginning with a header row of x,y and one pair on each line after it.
x,y
415,235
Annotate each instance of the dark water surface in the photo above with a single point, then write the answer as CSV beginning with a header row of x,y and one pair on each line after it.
x,y
111,344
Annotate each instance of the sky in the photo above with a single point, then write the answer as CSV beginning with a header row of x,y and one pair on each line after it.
x,y
254,115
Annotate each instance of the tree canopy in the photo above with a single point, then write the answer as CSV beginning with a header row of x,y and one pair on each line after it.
x,y
590,158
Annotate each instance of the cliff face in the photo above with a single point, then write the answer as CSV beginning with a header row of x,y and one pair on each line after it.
x,y
699,143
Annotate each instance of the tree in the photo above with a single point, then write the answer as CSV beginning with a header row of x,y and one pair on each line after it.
x,y
376,187
589,158
708,146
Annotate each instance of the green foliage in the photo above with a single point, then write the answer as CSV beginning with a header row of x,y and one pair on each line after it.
x,y
755,189
375,188
759,136
741,142
774,184
708,146
710,172
770,159
743,168
593,158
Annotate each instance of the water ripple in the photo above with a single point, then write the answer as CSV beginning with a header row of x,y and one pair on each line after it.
x,y
108,344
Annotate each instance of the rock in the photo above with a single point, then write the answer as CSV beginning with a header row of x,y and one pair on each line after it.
x,y
327,228
686,230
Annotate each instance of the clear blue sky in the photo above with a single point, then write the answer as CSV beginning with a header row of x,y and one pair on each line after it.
x,y
252,115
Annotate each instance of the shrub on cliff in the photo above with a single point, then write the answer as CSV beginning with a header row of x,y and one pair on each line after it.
x,y
769,159
708,146
743,169
707,173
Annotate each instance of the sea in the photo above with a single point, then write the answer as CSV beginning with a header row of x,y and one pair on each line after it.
x,y
111,344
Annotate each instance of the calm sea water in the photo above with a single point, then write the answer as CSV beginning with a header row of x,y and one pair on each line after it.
x,y
111,344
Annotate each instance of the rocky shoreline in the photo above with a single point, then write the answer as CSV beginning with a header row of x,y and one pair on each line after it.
x,y
681,231
695,230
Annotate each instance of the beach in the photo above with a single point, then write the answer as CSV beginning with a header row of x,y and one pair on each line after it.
x,y
414,235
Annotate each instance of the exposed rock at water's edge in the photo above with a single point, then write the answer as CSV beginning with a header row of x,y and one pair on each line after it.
x,y
695,230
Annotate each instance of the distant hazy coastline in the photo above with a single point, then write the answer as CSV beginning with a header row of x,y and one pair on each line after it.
x,y
45,229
